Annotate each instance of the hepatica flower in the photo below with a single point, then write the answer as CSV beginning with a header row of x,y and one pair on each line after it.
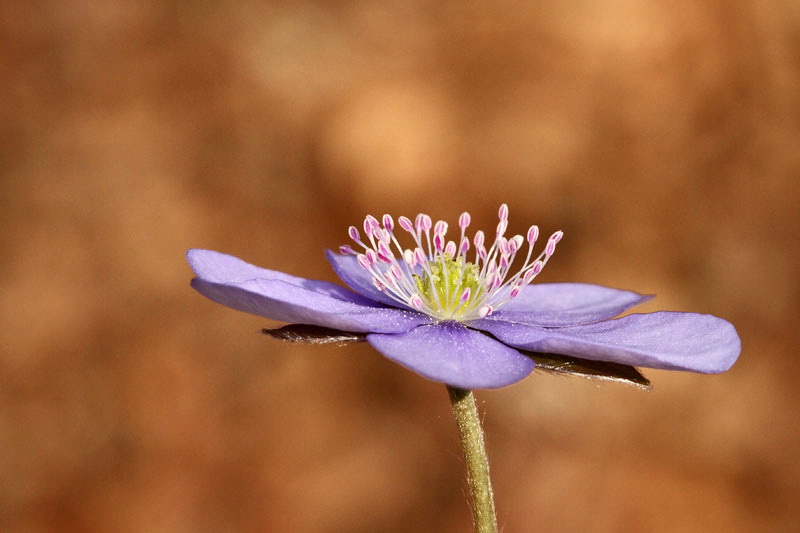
x,y
463,311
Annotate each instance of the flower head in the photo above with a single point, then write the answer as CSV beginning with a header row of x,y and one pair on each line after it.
x,y
461,313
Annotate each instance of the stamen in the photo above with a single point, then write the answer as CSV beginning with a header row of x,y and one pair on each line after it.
x,y
371,226
478,239
503,246
422,223
464,247
465,295
515,243
434,276
533,234
464,220
438,242
384,253
408,257
551,243
406,224
388,223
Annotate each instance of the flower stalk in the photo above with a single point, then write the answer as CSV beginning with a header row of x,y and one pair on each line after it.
x,y
472,442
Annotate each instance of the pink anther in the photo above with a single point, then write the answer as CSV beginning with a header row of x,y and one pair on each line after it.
x,y
371,225
438,242
408,257
533,234
363,260
503,212
515,243
478,239
384,253
422,222
502,244
464,247
501,227
464,220
406,224
528,276
395,271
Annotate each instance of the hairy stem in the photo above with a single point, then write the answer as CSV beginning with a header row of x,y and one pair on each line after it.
x,y
477,463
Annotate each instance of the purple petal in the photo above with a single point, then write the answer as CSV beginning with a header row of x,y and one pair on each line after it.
x,y
358,279
663,340
451,353
217,267
278,296
566,304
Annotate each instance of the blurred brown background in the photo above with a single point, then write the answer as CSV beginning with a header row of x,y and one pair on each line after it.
x,y
661,137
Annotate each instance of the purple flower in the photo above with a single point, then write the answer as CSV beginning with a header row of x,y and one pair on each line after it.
x,y
468,323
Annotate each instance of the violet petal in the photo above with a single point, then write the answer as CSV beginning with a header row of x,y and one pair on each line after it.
x,y
664,340
217,267
450,353
566,304
358,279
289,299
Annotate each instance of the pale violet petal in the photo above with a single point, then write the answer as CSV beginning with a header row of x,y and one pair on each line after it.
x,y
663,340
566,304
214,267
358,279
285,298
450,353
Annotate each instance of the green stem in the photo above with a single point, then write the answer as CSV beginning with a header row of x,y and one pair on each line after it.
x,y
480,485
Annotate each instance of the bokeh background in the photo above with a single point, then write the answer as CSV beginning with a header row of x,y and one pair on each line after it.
x,y
662,137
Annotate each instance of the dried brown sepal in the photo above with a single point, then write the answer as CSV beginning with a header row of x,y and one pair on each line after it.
x,y
584,368
313,334
547,362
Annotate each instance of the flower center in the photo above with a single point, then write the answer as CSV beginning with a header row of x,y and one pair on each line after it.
x,y
446,278
435,277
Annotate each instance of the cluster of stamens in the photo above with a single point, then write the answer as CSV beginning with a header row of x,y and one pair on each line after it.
x,y
435,276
